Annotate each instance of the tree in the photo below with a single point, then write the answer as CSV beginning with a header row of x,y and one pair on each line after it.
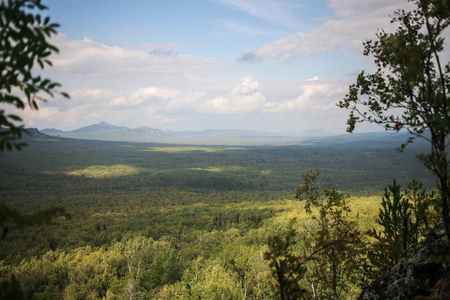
x,y
409,89
287,266
24,44
423,206
11,218
330,262
336,246
403,219
392,239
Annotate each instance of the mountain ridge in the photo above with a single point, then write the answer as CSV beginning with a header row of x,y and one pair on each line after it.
x,y
108,132
100,126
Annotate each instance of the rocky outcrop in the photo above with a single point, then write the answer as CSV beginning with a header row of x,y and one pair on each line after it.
x,y
423,275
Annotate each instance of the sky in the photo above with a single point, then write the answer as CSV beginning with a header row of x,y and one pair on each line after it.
x,y
266,65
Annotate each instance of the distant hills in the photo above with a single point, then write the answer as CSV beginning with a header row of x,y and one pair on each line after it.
x,y
108,132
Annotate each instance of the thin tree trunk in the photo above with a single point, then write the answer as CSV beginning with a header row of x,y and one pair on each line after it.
x,y
405,228
442,169
445,196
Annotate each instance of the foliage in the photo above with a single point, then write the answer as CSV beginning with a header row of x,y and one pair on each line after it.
x,y
287,266
10,289
13,218
24,43
404,218
410,87
336,242
424,206
130,167
154,222
391,216
217,227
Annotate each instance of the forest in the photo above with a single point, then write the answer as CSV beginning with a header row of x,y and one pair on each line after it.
x,y
154,221
84,219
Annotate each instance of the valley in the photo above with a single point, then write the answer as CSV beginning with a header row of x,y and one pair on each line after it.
x,y
180,207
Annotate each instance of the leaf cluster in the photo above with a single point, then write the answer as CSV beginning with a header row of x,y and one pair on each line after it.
x,y
409,88
12,218
337,243
24,44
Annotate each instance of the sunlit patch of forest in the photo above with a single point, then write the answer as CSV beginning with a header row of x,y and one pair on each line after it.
x,y
175,222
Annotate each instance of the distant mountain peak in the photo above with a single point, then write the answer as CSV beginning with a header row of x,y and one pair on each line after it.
x,y
105,124
100,126
107,131
148,132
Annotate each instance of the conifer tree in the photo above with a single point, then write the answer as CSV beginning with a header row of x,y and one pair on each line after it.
x,y
404,218
288,267
390,218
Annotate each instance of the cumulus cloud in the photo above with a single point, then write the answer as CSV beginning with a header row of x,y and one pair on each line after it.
x,y
302,103
242,99
144,96
270,105
97,65
136,86
313,97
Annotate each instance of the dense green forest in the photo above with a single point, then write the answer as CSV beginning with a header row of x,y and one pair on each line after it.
x,y
173,221
119,220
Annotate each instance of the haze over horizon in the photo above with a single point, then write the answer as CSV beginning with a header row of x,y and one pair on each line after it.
x,y
265,65
104,124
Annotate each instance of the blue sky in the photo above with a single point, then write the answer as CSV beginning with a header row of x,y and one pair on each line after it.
x,y
269,65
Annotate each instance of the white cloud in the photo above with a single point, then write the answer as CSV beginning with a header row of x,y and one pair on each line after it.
x,y
144,96
242,99
315,78
275,11
354,21
374,8
135,87
245,29
301,104
90,64
313,98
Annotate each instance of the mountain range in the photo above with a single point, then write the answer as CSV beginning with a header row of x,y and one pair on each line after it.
x,y
108,132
